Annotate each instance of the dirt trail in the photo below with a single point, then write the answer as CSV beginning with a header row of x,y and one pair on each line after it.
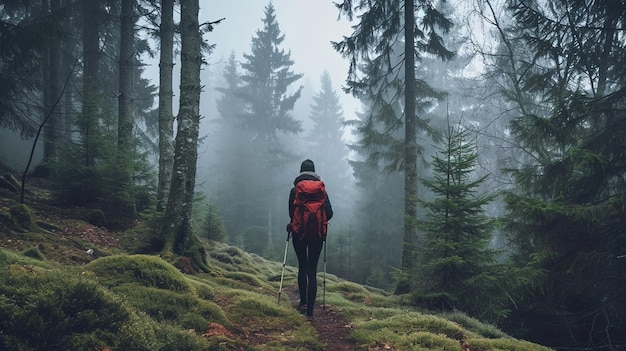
x,y
332,329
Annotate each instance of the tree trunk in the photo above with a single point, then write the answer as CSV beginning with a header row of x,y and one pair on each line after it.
x,y
178,235
123,206
409,242
89,116
166,119
52,89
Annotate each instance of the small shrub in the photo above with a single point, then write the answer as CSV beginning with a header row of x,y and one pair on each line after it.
x,y
97,218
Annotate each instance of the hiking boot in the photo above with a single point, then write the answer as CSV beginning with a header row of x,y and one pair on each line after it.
x,y
302,309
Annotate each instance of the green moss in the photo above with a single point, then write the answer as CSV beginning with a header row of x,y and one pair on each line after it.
x,y
142,269
142,302
509,344
348,287
22,216
245,278
35,253
164,305
474,325
260,308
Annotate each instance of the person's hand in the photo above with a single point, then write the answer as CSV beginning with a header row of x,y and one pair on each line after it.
x,y
289,228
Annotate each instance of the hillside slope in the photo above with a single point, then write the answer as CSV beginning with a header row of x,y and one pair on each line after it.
x,y
66,284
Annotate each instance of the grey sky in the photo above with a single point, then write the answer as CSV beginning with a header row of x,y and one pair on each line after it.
x,y
309,27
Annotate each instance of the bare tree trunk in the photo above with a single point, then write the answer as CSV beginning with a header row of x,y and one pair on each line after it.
x,y
124,204
178,235
166,116
51,90
89,116
409,242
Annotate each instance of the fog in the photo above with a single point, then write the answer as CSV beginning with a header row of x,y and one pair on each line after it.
x,y
308,29
519,139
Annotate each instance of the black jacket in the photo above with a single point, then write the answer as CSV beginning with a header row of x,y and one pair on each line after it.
x,y
292,194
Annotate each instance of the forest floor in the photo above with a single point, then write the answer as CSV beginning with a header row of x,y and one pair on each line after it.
x,y
70,238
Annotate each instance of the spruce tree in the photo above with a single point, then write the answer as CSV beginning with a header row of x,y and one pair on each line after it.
x,y
268,98
326,135
24,31
385,25
564,63
166,94
326,146
177,233
232,176
455,260
123,201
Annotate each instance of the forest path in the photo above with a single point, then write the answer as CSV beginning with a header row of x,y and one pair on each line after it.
x,y
332,329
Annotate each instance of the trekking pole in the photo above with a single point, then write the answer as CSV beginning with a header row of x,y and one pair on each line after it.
x,y
280,288
324,279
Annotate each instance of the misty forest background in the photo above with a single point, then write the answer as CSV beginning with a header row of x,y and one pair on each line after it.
x,y
484,171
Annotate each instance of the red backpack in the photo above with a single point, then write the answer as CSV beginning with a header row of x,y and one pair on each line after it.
x,y
309,220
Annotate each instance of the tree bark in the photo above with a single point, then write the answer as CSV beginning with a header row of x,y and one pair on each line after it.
x,y
409,242
178,235
91,47
124,205
52,89
166,118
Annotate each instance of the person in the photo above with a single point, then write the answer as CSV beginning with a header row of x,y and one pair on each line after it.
x,y
307,250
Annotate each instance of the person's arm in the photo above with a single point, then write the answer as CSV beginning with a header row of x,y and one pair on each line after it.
x,y
292,197
329,208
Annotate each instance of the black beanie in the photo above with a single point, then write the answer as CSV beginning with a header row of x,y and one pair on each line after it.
x,y
307,166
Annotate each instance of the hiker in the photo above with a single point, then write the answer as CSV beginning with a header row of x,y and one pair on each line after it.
x,y
308,239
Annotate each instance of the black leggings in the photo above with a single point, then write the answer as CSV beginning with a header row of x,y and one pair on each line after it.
x,y
308,253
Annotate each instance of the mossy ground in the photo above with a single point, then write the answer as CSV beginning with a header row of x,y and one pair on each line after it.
x,y
54,294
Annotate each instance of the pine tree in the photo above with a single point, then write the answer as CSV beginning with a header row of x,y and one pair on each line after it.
x,y
267,80
177,232
24,33
166,94
327,148
232,176
326,145
327,132
455,261
564,64
123,209
383,25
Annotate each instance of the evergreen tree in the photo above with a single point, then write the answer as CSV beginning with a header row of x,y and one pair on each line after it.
x,y
268,100
377,222
326,136
24,30
51,88
233,140
383,25
166,94
177,232
455,261
564,63
124,203
326,145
